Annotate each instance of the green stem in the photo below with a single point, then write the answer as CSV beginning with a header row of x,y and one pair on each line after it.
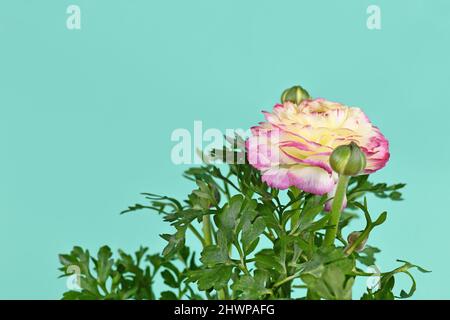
x,y
243,263
364,235
222,294
287,279
206,228
197,234
295,206
335,213
207,232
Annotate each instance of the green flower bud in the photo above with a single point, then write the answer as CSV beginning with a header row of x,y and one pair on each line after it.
x,y
348,160
352,238
296,94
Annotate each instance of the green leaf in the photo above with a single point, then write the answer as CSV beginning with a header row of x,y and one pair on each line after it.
x,y
359,186
327,274
267,260
251,232
205,196
74,295
216,277
387,282
403,293
169,279
158,203
385,291
122,278
227,219
381,219
408,265
104,264
333,283
168,295
367,256
307,217
267,212
184,254
212,255
321,258
252,288
396,196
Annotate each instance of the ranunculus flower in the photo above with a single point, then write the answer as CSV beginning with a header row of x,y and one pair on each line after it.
x,y
293,146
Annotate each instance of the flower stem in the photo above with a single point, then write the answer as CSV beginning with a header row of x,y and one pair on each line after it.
x,y
335,213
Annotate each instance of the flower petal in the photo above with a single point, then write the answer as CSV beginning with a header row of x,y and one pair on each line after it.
x,y
311,179
277,178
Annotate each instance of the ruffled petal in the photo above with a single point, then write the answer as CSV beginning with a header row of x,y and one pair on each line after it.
x,y
262,149
311,179
277,178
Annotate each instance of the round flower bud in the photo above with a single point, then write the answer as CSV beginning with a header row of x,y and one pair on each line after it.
x,y
348,160
352,238
296,94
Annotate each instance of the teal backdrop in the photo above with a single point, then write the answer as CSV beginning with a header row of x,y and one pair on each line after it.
x,y
86,115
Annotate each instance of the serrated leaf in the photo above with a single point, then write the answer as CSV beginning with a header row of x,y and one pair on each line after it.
x,y
169,279
267,260
251,232
333,284
212,255
216,277
175,242
104,264
252,288
327,274
227,219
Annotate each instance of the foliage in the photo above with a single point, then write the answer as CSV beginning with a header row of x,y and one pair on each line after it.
x,y
258,243
124,278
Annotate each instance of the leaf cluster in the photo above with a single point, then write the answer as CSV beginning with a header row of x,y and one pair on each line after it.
x,y
257,243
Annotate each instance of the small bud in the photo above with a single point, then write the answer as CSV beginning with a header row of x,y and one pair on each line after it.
x,y
352,238
296,94
348,160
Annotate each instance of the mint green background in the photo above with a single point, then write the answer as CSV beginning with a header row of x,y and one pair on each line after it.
x,y
86,116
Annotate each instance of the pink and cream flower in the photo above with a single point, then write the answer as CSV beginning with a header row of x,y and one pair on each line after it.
x,y
293,146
